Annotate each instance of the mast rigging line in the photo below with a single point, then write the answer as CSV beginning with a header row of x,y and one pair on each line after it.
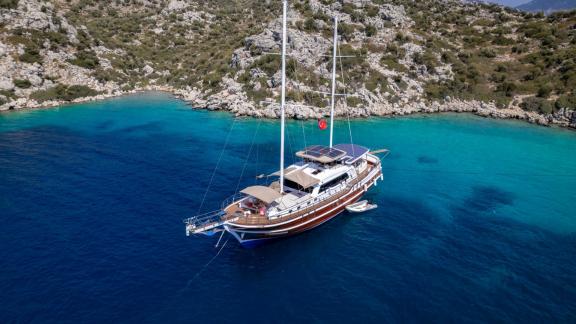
x,y
217,165
345,102
248,157
336,94
333,92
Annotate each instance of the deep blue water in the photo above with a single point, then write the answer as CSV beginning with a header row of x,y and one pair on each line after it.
x,y
476,221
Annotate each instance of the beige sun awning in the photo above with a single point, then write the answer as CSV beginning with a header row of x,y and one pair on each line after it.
x,y
265,194
302,178
287,170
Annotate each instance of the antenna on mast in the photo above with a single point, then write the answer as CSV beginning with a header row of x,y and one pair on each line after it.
x,y
283,95
333,98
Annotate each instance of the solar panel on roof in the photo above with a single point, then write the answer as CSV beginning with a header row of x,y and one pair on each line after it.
x,y
353,151
334,153
313,153
319,152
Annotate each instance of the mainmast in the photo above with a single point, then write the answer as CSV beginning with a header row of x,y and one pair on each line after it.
x,y
333,98
283,95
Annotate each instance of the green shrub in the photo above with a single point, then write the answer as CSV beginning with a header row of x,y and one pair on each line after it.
x,y
370,30
508,88
24,84
213,79
78,91
62,92
376,80
257,96
86,59
8,94
435,90
315,99
310,25
9,4
346,31
104,76
353,101
428,59
566,101
537,104
487,52
356,59
372,11
31,55
401,38
57,39
544,91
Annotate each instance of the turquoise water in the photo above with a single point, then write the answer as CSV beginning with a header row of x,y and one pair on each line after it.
x,y
476,220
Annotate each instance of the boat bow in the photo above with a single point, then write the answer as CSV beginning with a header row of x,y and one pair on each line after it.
x,y
208,223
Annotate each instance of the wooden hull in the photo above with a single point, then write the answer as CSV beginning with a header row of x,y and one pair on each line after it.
x,y
252,237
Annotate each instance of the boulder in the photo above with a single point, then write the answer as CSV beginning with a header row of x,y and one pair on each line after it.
x,y
6,84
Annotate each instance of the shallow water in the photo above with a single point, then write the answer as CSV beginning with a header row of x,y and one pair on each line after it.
x,y
476,220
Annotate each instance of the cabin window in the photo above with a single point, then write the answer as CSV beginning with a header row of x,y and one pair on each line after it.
x,y
334,182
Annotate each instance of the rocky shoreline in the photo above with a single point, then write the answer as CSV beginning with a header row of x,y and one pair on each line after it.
x,y
232,102
48,57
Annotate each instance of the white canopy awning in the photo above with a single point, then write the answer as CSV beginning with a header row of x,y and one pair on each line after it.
x,y
266,194
302,178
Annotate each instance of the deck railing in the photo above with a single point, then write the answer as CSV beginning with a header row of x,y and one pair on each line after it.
x,y
262,220
335,193
205,219
232,199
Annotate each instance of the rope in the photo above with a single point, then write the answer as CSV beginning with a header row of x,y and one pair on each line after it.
x,y
303,133
205,266
257,162
292,143
248,157
220,238
299,90
217,165
345,102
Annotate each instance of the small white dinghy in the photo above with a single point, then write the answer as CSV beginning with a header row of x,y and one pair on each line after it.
x,y
360,207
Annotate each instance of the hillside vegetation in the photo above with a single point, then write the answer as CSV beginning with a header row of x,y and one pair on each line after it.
x,y
406,52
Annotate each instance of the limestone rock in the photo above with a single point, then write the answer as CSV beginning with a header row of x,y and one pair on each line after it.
x,y
6,84
147,69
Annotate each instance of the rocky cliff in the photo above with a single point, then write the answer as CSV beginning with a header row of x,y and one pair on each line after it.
x,y
403,56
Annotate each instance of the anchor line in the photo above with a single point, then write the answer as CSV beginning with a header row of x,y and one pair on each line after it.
x,y
206,265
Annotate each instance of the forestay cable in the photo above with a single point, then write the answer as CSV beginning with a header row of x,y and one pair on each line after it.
x,y
345,101
248,157
217,165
